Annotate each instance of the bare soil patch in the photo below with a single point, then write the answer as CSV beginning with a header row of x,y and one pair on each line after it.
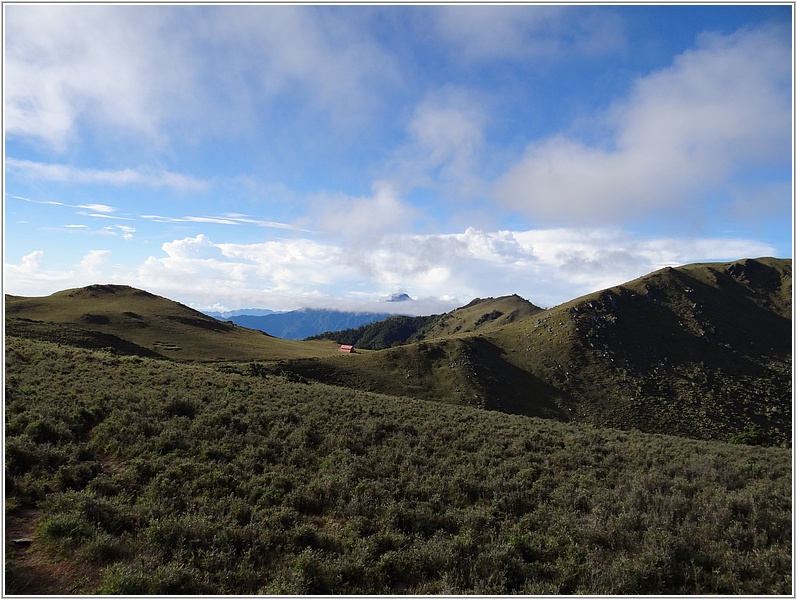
x,y
30,572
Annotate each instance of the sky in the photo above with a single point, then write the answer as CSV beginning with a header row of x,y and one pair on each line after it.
x,y
266,156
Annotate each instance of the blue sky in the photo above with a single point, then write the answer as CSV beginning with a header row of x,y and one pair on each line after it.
x,y
328,156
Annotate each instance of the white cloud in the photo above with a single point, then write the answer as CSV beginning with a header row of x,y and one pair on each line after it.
x,y
90,264
444,146
445,270
113,66
31,277
74,175
109,230
103,208
31,262
127,232
577,261
280,273
153,71
17,278
227,219
102,216
528,32
362,220
262,223
199,247
546,266
698,126
317,56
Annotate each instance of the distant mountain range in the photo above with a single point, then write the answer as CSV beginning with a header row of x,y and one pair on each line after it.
x,y
399,297
299,324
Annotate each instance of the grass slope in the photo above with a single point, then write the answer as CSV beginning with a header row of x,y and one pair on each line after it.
x,y
133,321
478,315
139,476
702,350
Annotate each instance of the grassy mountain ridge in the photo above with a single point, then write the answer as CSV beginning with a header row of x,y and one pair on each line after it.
x,y
702,350
480,314
136,321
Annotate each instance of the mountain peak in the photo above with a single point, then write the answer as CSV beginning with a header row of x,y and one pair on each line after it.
x,y
398,297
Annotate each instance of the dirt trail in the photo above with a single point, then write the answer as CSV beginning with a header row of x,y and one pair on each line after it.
x,y
30,572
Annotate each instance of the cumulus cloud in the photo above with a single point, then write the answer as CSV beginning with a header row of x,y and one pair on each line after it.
x,y
199,247
546,266
127,232
89,265
17,278
701,125
31,262
442,271
275,274
362,220
31,277
74,175
574,261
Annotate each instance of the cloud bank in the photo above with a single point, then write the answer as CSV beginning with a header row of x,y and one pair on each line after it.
x,y
440,271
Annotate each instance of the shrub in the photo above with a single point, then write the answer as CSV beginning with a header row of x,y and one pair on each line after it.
x,y
196,480
64,532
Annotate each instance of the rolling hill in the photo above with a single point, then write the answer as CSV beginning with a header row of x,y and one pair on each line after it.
x,y
702,350
133,321
479,315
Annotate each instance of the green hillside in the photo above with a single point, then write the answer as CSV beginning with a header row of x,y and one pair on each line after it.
x,y
135,476
479,315
133,321
702,350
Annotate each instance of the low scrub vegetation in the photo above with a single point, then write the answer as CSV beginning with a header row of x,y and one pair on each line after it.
x,y
167,478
